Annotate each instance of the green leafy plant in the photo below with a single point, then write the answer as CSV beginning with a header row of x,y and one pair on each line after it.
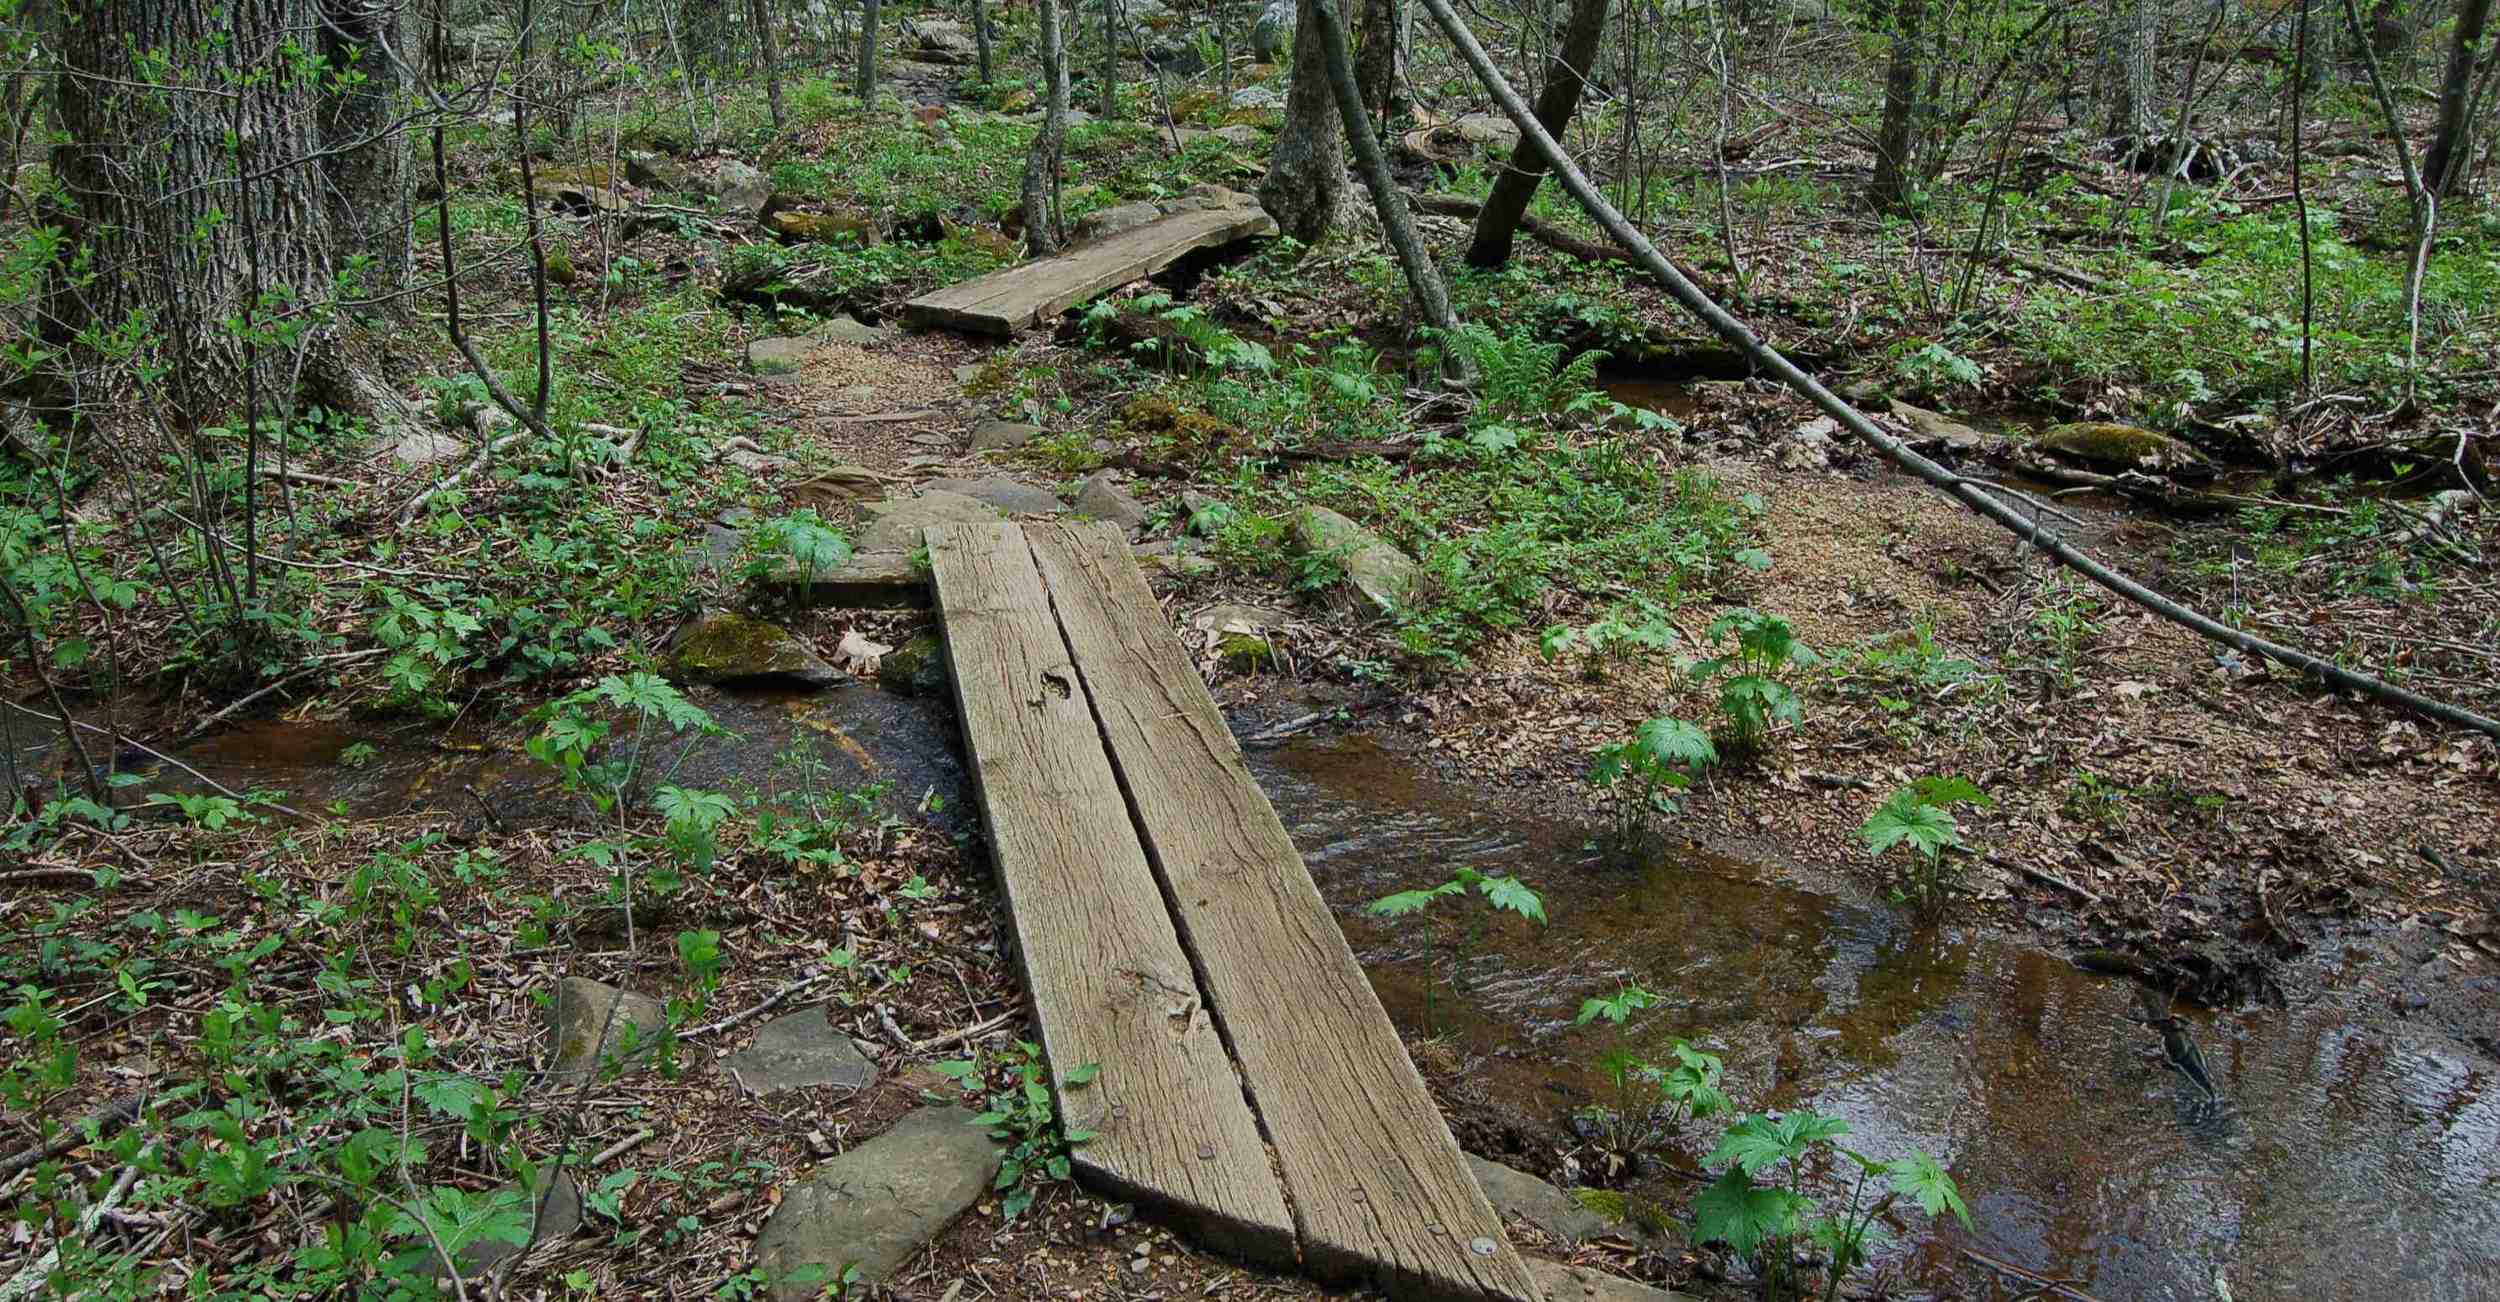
x,y
1024,1114
1652,1103
1753,689
1661,756
1761,1205
1920,816
1499,893
1521,378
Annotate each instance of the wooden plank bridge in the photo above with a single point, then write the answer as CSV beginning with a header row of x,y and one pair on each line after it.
x,y
1018,297
1251,1089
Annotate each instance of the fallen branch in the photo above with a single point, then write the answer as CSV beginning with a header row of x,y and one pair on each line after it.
x,y
453,480
2046,878
1762,355
119,1112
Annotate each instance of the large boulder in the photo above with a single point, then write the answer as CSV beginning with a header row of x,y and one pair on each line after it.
x,y
939,40
740,188
657,171
874,1207
1102,223
2108,446
727,647
894,525
1387,577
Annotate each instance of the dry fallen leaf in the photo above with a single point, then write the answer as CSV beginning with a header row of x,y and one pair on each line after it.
x,y
859,653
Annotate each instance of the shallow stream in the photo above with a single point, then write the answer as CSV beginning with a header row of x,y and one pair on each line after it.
x,y
2355,1154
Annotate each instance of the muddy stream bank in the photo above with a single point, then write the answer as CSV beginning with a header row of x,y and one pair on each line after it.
x,y
2355,1153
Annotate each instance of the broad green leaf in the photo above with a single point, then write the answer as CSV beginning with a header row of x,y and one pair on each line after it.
x,y
1919,1177
1513,894
1742,1214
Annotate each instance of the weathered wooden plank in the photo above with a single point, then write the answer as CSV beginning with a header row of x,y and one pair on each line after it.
x,y
1379,1189
1015,298
1110,982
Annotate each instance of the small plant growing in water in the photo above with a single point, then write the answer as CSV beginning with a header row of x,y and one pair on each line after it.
x,y
1500,894
1760,1206
1920,816
1753,687
1662,756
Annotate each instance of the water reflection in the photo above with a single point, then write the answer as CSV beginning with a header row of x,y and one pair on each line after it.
x,y
2352,1155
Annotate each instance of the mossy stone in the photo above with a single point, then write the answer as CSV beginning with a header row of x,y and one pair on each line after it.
x,y
916,668
2120,447
1245,653
727,647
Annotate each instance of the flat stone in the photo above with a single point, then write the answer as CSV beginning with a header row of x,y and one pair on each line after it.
x,y
846,330
778,355
799,1050
877,1205
726,647
1003,435
1015,497
1383,574
756,463
1257,98
1514,1192
581,1013
2120,447
720,549
1561,1283
1164,557
1248,619
894,525
1100,497
426,447
1937,427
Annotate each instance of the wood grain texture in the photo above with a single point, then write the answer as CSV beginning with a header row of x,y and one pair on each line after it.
x,y
1016,298
1380,1191
1110,982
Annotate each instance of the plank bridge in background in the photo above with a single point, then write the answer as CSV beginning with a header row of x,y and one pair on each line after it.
x,y
1251,1090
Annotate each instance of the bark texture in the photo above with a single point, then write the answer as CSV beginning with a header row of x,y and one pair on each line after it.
x,y
1042,161
1388,36
2452,139
867,84
216,174
1305,181
1897,138
2128,32
1431,298
1497,225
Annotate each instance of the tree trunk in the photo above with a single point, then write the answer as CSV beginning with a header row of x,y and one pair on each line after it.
x,y
1498,223
2128,33
1042,160
868,54
768,44
1897,139
1380,65
981,38
1305,179
2452,139
1110,59
219,177
1431,299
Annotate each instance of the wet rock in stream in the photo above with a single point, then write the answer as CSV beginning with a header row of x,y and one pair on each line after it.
x,y
726,647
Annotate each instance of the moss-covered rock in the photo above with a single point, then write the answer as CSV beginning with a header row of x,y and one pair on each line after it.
x,y
1245,653
797,227
916,668
2108,446
726,647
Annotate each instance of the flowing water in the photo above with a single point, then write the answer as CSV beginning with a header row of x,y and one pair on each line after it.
x,y
2355,1154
